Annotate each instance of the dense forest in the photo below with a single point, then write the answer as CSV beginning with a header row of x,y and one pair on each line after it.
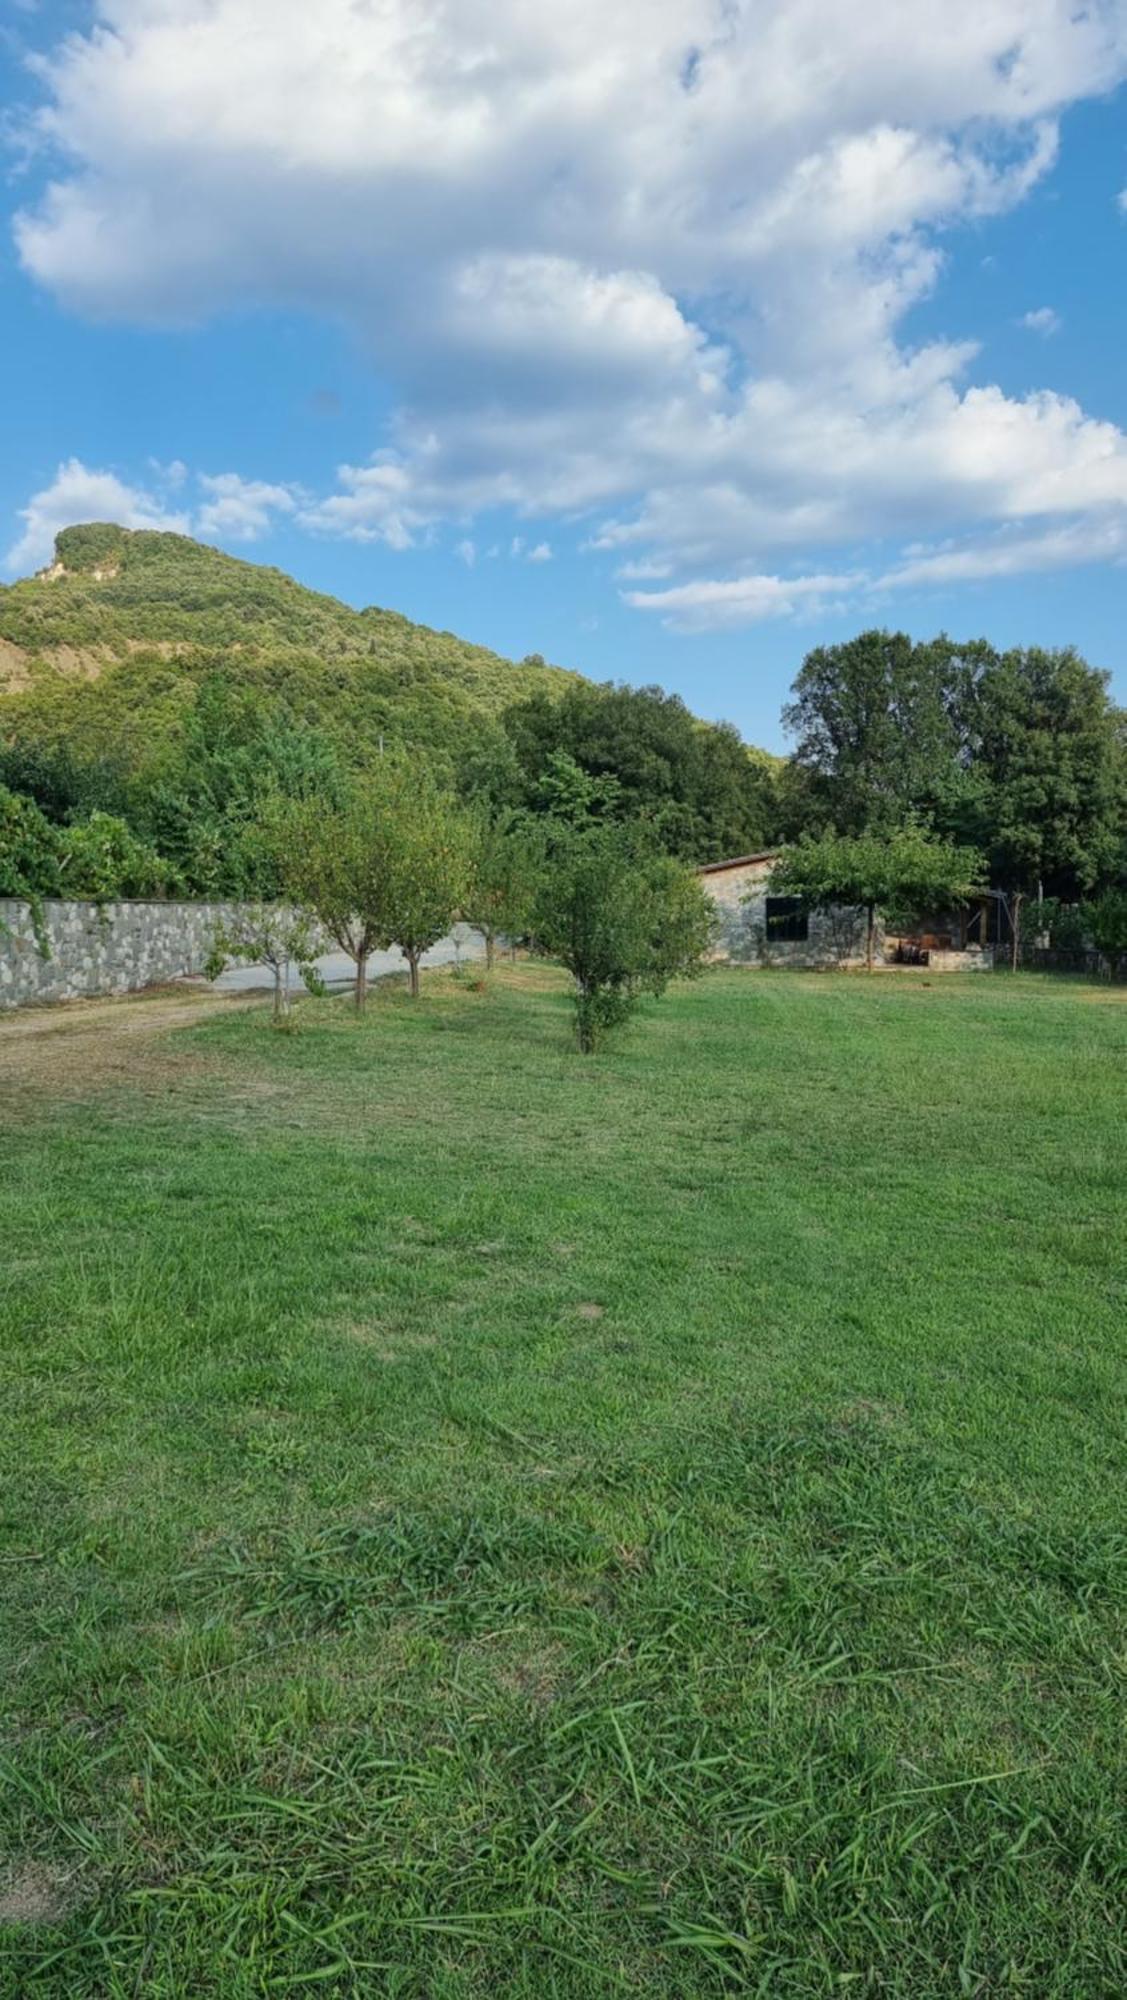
x,y
154,693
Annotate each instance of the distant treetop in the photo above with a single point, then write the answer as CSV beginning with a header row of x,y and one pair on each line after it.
x,y
90,546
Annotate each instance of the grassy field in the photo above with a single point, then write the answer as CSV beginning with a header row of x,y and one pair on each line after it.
x,y
478,1521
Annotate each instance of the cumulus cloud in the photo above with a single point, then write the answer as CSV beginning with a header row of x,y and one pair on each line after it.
x,y
373,503
649,265
78,493
1043,319
240,510
228,507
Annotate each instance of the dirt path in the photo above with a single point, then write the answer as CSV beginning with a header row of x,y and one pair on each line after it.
x,y
67,1049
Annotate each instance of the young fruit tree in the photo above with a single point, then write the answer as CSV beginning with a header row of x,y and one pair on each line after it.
x,y
904,872
273,935
334,867
622,918
426,864
387,867
505,861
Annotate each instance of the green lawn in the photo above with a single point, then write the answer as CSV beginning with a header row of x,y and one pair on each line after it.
x,y
478,1521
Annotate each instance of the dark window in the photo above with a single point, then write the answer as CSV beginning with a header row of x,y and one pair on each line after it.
x,y
787,920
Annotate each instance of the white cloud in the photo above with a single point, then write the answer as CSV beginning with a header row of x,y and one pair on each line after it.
x,y
467,550
78,493
650,264
542,553
231,508
645,570
1010,554
1043,320
713,604
241,510
173,474
374,504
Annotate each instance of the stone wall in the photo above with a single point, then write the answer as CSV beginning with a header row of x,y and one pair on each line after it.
x,y
117,948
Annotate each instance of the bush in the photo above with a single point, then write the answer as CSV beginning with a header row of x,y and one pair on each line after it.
x,y
1108,920
29,859
102,858
623,919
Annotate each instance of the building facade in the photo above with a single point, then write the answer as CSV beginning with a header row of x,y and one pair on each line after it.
x,y
757,928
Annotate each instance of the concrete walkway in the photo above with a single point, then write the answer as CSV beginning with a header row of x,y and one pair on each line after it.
x,y
338,970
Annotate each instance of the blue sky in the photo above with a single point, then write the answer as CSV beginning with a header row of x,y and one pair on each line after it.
x,y
668,346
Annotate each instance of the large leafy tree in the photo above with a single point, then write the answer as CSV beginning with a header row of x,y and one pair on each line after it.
x,y
1042,780
903,872
29,859
62,779
874,737
238,753
96,859
101,858
623,918
698,787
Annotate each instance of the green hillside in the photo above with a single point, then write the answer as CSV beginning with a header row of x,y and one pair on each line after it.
x,y
109,645
174,687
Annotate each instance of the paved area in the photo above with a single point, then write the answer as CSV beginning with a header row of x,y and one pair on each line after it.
x,y
337,970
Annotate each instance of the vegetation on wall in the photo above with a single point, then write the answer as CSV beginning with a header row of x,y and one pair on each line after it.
x,y
98,859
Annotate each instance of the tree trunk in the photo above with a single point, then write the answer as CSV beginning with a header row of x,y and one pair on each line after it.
x,y
585,1022
490,950
281,989
412,957
870,935
1016,902
360,990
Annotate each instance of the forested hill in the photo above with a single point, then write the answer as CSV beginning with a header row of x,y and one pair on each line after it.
x,y
149,677
176,689
118,607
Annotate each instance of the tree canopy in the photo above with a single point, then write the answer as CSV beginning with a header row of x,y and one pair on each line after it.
x,y
386,866
904,872
1022,754
643,755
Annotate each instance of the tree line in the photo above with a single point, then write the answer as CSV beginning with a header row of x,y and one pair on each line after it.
x,y
397,860
999,769
921,771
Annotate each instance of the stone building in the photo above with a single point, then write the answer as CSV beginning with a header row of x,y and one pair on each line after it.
x,y
757,928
